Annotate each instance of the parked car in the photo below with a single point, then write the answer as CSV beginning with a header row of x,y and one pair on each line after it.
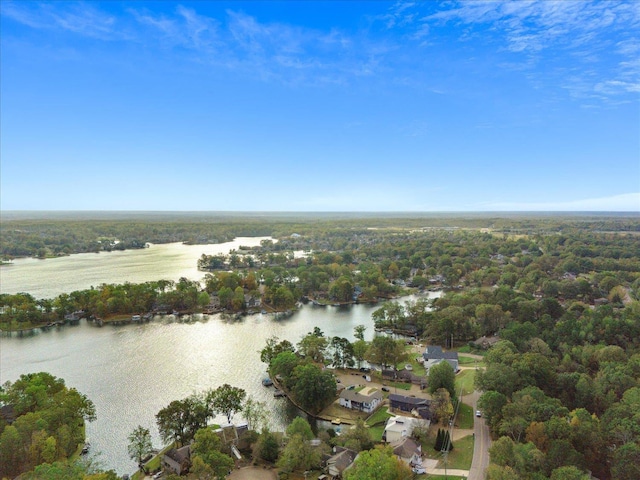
x,y
478,413
385,389
158,474
419,470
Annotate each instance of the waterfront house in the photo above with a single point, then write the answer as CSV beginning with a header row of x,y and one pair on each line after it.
x,y
397,428
336,464
419,407
366,400
434,354
177,460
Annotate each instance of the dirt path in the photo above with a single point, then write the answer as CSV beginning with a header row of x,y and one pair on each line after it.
x,y
253,473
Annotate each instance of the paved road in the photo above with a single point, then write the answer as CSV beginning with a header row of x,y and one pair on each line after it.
x,y
482,442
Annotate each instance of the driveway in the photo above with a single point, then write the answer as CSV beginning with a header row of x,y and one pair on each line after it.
x,y
253,473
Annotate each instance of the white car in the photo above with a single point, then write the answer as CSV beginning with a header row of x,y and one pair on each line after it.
x,y
419,470
159,474
478,413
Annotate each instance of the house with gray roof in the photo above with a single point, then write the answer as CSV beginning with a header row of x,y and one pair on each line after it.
x,y
366,400
434,354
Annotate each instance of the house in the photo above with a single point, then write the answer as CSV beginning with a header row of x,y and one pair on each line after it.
x,y
177,460
433,355
486,342
336,464
397,428
419,407
231,433
366,400
408,450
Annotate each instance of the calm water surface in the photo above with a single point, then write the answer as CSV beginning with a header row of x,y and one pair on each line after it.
x,y
53,276
131,372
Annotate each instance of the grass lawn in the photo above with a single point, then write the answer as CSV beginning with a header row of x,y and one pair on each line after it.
x,y
400,385
470,362
464,380
468,349
462,454
459,458
376,422
465,416
418,368
378,416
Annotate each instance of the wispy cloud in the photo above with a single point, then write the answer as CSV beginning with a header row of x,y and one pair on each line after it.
x,y
628,202
586,35
78,18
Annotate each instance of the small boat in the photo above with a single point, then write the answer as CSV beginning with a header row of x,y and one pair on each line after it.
x,y
85,448
267,382
278,393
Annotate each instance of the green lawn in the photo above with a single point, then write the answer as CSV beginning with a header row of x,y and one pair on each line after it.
x,y
465,380
400,385
470,362
462,454
418,368
465,416
379,415
377,422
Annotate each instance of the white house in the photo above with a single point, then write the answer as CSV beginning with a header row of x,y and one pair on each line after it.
x,y
366,400
399,427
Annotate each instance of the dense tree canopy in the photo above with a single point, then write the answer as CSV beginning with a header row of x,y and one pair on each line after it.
x,y
49,422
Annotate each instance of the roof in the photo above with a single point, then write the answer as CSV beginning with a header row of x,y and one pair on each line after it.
x,y
361,396
405,448
394,397
434,352
342,459
180,454
399,424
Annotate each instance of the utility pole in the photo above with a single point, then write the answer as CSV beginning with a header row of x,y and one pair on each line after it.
x,y
447,445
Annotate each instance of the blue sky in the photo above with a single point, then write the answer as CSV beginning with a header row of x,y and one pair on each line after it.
x,y
320,106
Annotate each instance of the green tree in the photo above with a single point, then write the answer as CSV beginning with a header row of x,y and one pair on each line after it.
x,y
378,464
341,352
386,351
360,348
255,413
358,437
313,388
313,346
267,446
181,419
275,348
208,461
359,332
626,462
139,443
299,454
570,473
442,375
226,400
299,426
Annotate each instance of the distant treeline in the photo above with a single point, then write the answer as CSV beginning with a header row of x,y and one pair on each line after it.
x,y
43,235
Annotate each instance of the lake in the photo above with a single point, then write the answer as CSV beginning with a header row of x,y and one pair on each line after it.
x,y
131,372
